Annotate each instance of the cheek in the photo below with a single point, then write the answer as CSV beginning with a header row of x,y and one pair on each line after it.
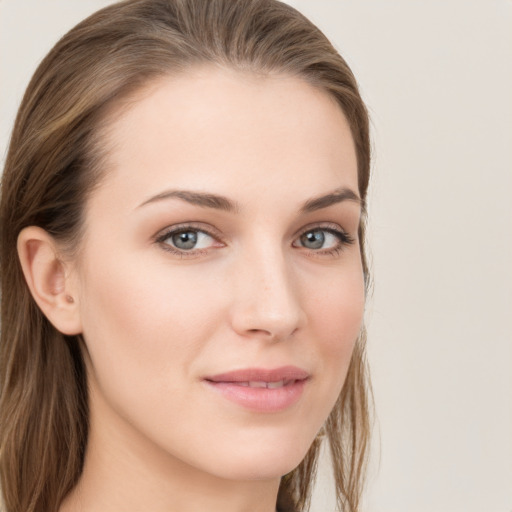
x,y
336,315
144,326
337,307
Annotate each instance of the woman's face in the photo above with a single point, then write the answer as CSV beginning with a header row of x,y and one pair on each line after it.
x,y
220,284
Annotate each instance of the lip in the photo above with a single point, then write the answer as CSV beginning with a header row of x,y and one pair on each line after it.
x,y
261,389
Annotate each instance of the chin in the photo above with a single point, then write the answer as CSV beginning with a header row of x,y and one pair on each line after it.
x,y
261,459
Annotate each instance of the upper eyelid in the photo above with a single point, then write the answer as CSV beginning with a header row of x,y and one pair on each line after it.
x,y
191,226
210,230
343,235
328,226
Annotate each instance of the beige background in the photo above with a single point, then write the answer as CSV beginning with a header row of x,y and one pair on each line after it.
x,y
437,76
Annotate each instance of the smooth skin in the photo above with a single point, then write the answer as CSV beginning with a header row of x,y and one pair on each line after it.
x,y
170,286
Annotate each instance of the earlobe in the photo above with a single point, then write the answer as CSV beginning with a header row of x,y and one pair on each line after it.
x,y
46,276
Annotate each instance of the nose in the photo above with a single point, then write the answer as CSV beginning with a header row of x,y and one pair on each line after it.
x,y
266,304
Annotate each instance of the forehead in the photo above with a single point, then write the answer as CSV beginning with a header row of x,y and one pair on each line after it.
x,y
238,132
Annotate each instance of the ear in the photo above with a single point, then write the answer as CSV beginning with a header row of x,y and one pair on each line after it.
x,y
50,285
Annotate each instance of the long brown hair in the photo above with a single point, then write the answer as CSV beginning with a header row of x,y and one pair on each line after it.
x,y
53,164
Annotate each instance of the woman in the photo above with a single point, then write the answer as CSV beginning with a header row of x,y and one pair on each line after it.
x,y
183,268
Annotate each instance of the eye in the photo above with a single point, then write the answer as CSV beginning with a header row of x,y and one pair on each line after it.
x,y
185,240
317,239
324,240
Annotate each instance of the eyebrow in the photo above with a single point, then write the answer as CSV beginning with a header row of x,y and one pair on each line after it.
x,y
218,202
337,196
202,199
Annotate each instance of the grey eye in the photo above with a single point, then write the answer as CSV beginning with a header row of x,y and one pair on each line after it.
x,y
185,240
313,239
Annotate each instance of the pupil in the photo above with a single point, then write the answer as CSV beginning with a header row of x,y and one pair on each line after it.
x,y
185,240
313,239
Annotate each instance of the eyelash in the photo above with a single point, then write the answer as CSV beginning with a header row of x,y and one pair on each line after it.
x,y
344,240
185,228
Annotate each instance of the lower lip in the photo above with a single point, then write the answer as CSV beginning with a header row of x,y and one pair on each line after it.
x,y
260,399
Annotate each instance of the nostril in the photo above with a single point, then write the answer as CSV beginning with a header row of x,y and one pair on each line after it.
x,y
261,332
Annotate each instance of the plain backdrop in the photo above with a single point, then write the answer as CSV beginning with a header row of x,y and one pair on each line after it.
x,y
437,77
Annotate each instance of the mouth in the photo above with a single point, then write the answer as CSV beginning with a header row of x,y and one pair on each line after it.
x,y
261,390
264,384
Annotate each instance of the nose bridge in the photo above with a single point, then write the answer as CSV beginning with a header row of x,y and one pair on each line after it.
x,y
267,300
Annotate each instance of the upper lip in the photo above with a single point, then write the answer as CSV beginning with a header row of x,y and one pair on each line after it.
x,y
287,373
